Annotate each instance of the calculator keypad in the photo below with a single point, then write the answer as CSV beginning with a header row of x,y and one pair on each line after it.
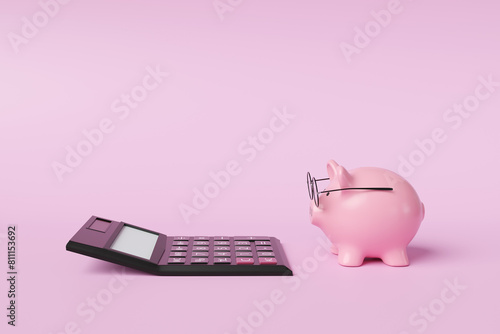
x,y
244,260
177,254
176,260
221,250
244,254
199,260
222,260
222,254
267,260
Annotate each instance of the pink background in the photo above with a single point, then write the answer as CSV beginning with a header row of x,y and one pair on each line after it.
x,y
226,77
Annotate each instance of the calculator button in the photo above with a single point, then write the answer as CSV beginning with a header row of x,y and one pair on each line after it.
x,y
199,260
264,249
221,238
179,248
244,254
180,238
243,248
251,238
221,248
200,248
202,238
242,243
265,254
176,260
244,260
267,260
200,254
222,254
262,243
222,260
200,243
180,243
177,254
221,243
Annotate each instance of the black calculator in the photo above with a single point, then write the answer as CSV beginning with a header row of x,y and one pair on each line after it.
x,y
159,254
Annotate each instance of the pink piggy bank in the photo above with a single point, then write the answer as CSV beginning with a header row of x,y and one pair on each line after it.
x,y
366,212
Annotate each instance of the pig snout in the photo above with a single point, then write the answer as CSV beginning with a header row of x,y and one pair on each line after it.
x,y
314,212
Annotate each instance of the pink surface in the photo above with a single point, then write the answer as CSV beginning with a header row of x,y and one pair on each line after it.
x,y
159,97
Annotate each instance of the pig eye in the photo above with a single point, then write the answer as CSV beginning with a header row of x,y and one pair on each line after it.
x,y
312,188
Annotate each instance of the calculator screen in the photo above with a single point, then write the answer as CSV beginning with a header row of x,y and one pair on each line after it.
x,y
136,242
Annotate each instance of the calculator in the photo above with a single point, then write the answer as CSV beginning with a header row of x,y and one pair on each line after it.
x,y
159,254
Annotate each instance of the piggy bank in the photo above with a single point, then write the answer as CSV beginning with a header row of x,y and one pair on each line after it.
x,y
366,212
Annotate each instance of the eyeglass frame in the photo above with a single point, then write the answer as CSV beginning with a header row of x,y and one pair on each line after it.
x,y
312,187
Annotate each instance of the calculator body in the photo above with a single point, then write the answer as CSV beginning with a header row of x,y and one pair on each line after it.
x,y
159,254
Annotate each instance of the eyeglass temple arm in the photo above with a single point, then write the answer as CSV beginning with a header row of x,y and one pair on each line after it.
x,y
369,188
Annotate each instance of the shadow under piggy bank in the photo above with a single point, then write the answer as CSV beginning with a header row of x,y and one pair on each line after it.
x,y
416,254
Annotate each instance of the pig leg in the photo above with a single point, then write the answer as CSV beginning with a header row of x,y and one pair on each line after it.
x,y
334,249
396,257
350,257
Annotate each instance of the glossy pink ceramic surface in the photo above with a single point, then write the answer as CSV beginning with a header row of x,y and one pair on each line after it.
x,y
368,223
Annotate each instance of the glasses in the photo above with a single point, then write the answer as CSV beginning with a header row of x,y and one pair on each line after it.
x,y
312,187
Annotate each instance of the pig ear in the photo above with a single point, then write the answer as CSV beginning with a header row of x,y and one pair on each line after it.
x,y
331,169
345,179
339,174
